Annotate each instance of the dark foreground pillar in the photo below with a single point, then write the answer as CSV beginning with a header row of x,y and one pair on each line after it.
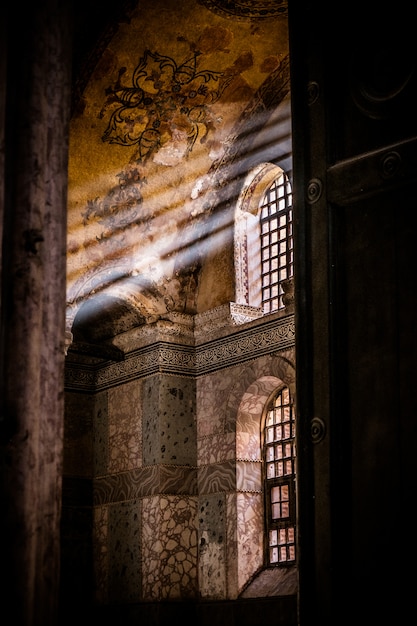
x,y
34,116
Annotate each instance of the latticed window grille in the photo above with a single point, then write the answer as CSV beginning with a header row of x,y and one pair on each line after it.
x,y
279,461
277,253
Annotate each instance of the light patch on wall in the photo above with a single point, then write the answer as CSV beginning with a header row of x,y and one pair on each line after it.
x,y
172,153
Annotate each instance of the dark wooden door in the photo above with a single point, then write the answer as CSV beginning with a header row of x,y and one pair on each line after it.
x,y
354,108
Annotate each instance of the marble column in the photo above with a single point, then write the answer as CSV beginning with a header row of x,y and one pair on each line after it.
x,y
35,109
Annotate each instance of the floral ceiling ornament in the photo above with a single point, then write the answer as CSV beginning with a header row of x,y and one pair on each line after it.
x,y
165,101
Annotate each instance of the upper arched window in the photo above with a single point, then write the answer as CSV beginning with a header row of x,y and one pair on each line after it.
x,y
276,240
264,250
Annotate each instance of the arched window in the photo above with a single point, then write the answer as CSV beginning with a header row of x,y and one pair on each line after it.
x,y
264,251
279,478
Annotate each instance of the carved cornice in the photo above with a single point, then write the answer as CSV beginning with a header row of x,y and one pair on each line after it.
x,y
234,345
210,322
246,344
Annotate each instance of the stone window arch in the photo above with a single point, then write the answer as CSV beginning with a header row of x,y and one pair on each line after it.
x,y
255,577
279,457
263,248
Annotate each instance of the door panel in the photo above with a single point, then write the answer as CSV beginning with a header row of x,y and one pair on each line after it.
x,y
355,154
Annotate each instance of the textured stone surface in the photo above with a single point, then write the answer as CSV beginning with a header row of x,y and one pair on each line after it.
x,y
169,421
124,551
78,433
169,548
125,427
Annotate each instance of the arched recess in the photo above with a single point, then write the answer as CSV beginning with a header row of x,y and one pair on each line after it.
x,y
248,402
107,301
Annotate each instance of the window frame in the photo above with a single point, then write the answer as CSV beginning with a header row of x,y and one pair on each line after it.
x,y
269,483
248,261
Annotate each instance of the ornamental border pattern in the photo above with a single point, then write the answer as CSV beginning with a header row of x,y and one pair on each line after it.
x,y
238,347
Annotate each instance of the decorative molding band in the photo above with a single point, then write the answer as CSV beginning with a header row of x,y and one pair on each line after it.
x,y
144,482
244,345
230,476
258,338
217,478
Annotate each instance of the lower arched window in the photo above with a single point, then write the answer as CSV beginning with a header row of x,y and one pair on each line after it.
x,y
279,478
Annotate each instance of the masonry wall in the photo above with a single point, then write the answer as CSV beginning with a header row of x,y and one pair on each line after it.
x,y
163,481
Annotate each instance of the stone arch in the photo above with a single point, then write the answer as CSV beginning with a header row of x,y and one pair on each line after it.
x,y
247,403
110,300
281,366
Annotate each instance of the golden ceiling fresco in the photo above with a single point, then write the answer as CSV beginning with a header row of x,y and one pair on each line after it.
x,y
161,139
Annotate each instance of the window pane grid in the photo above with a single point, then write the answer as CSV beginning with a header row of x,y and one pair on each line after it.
x,y
282,545
276,241
280,438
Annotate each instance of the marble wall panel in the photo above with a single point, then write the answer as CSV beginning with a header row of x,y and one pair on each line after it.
x,y
146,481
248,476
180,480
101,434
126,485
250,535
125,427
232,546
212,394
247,396
169,421
212,565
216,449
220,477
124,551
178,421
101,553
150,421
245,532
169,535
253,402
248,445
78,434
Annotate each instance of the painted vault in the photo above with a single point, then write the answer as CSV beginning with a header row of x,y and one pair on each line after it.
x,y
167,123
